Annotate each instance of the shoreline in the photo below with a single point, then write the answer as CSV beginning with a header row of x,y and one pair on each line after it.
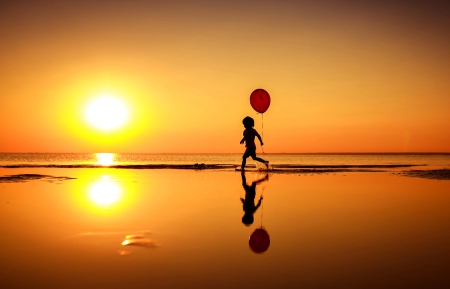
x,y
435,174
202,166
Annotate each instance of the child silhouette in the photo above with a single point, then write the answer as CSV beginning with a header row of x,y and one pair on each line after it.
x,y
248,202
249,138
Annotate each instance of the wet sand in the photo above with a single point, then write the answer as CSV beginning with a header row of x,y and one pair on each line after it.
x,y
171,228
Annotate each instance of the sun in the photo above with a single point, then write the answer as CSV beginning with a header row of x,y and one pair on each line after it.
x,y
106,113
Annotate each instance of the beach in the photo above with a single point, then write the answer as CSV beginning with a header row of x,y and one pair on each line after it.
x,y
182,228
224,144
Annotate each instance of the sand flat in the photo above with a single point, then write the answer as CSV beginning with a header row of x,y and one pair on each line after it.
x,y
327,230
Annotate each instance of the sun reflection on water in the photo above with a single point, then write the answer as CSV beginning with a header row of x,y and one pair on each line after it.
x,y
105,159
105,192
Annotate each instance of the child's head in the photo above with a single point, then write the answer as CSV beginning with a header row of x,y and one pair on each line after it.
x,y
248,122
247,219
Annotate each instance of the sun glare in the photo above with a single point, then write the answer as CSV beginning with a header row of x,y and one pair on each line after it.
x,y
106,113
105,192
105,159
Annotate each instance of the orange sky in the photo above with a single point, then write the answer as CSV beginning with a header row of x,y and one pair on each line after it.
x,y
343,76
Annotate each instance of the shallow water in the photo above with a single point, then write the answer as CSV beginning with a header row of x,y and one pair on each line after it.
x,y
336,230
106,159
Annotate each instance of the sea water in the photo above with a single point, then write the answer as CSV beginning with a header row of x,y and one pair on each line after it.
x,y
441,160
102,227
76,221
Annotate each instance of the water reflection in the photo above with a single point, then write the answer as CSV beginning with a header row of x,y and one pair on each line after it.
x,y
141,241
138,240
105,192
105,159
248,202
259,240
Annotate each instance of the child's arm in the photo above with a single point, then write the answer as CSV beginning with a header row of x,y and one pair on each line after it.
x,y
259,203
242,140
259,137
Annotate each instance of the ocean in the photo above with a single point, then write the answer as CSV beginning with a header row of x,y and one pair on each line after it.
x,y
139,220
148,161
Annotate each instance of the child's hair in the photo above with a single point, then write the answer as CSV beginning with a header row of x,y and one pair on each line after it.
x,y
248,122
247,219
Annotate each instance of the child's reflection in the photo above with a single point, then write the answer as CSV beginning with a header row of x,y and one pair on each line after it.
x,y
248,202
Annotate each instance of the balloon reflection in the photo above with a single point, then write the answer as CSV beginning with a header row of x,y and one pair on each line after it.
x,y
105,192
105,159
259,240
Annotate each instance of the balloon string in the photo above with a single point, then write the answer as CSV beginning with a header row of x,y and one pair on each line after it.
x,y
262,125
262,207
262,131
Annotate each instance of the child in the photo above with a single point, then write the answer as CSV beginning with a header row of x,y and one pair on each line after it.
x,y
249,139
248,202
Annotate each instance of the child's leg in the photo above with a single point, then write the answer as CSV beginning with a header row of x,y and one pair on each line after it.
x,y
244,159
260,160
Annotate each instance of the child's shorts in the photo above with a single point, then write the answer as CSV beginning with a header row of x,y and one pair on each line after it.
x,y
249,152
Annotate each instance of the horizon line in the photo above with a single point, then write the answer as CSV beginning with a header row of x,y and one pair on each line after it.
x,y
218,153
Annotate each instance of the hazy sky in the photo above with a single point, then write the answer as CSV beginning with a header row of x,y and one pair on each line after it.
x,y
344,76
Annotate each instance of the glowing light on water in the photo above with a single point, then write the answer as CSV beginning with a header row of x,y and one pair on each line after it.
x,y
141,242
105,192
105,159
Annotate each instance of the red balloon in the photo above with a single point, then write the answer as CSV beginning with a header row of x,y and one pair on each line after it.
x,y
260,100
259,241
